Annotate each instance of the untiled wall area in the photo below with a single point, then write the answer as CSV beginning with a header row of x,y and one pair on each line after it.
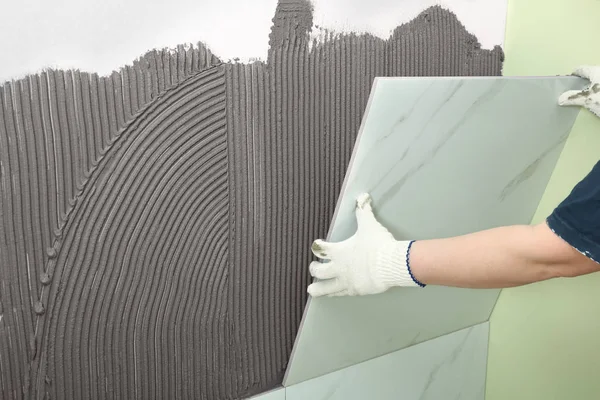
x,y
545,338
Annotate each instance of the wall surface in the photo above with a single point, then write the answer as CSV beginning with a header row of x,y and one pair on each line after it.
x,y
100,36
545,338
156,222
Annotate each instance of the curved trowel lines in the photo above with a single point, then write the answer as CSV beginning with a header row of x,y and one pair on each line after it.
x,y
150,230
55,128
156,223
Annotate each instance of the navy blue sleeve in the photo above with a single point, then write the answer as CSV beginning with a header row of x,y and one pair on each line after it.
x,y
577,219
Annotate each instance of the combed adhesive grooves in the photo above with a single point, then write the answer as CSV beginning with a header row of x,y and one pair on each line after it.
x,y
156,223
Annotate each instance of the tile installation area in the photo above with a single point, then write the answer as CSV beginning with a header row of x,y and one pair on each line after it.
x,y
417,136
159,199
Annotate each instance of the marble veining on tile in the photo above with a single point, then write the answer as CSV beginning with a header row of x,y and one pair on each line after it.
x,y
441,157
451,367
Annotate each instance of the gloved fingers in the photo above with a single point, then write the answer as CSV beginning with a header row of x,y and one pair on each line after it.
x,y
364,211
573,98
321,270
341,293
588,72
365,219
363,201
325,288
323,249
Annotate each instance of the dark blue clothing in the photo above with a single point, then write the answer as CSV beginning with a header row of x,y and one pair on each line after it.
x,y
577,219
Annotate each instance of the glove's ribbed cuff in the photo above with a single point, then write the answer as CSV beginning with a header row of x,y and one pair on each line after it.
x,y
394,265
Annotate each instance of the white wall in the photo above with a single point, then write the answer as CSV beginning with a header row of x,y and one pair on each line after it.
x,y
100,36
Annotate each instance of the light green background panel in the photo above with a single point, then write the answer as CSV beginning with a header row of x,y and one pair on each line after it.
x,y
449,367
440,157
545,338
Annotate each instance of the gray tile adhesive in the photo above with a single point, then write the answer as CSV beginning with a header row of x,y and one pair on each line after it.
x,y
156,223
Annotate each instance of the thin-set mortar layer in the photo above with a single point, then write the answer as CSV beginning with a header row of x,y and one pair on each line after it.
x,y
156,223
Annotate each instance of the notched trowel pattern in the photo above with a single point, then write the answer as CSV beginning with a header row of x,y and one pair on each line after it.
x,y
156,223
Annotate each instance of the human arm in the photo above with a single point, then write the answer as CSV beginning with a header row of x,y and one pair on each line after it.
x,y
498,258
372,261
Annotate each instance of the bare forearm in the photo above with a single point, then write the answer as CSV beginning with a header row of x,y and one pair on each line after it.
x,y
497,258
372,260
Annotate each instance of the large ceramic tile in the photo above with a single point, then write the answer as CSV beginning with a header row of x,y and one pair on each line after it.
x,y
440,157
275,394
449,367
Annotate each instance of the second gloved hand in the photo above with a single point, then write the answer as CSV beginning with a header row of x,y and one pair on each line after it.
x,y
369,262
588,97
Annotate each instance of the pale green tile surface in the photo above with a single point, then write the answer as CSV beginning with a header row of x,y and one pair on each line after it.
x,y
545,338
441,157
449,367
275,394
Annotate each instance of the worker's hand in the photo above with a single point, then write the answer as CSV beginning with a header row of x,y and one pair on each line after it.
x,y
588,97
369,262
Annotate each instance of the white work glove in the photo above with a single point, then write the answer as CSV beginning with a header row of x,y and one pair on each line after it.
x,y
369,262
588,97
